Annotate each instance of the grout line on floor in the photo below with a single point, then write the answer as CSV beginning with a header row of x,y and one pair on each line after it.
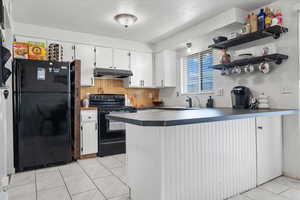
x,y
285,190
92,180
123,165
64,183
35,181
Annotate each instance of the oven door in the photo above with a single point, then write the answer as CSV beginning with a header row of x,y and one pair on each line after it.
x,y
110,130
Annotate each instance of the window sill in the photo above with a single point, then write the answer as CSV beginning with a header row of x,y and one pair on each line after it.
x,y
199,93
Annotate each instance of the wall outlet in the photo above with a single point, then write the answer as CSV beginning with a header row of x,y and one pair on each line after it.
x,y
286,91
219,92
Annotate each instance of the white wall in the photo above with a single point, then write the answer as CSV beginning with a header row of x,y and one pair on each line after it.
x,y
30,30
230,18
282,76
285,75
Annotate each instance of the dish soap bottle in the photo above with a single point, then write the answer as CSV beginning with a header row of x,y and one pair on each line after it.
x,y
268,19
210,102
261,20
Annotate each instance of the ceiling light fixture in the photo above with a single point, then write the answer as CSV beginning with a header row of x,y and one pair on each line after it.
x,y
125,19
189,47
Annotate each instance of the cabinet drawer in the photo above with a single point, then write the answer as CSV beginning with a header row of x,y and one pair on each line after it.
x,y
88,115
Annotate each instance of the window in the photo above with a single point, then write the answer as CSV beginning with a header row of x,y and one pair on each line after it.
x,y
197,73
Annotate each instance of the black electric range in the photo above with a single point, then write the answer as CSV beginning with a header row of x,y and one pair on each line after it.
x,y
112,134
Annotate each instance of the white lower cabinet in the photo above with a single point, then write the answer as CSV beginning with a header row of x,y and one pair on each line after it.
x,y
89,132
269,148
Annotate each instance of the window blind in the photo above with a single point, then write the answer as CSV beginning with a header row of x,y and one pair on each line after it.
x,y
197,73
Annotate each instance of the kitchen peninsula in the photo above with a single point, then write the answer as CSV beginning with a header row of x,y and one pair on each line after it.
x,y
193,154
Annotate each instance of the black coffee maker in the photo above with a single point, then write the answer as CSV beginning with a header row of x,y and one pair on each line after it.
x,y
240,97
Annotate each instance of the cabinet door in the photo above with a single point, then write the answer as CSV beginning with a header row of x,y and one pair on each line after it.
x,y
86,54
89,138
170,67
165,69
269,148
136,68
104,57
147,69
159,70
121,59
68,52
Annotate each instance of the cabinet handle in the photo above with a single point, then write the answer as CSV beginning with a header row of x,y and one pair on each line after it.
x,y
260,127
92,79
143,83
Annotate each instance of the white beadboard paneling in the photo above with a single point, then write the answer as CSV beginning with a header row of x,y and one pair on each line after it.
x,y
210,161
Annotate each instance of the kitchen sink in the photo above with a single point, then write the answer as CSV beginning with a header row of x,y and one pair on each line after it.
x,y
178,108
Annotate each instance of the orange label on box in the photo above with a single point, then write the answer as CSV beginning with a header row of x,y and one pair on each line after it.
x,y
20,50
37,51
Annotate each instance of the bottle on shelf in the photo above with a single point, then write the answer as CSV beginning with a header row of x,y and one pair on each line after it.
x,y
278,18
261,20
247,26
269,17
253,22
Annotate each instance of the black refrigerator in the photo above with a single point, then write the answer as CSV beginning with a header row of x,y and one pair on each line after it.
x,y
42,113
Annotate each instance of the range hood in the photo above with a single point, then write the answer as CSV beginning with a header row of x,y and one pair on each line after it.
x,y
115,73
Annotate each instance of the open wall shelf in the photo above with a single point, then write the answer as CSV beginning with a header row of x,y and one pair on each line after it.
x,y
274,31
277,58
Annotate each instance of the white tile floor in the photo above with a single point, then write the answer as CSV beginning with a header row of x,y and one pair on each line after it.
x,y
282,188
106,179
91,179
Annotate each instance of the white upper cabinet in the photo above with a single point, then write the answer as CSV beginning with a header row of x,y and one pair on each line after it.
x,y
121,59
68,54
104,57
142,69
86,54
165,69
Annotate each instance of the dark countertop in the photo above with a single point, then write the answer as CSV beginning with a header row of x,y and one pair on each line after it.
x,y
173,117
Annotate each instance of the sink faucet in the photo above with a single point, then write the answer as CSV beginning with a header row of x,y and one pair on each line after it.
x,y
190,101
